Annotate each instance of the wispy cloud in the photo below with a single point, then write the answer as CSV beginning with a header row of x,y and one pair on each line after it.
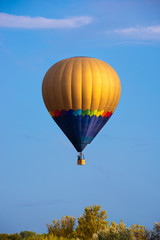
x,y
139,33
13,21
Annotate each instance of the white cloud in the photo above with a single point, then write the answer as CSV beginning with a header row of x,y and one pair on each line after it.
x,y
140,33
13,21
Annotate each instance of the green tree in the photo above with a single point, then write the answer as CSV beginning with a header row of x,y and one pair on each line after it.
x,y
124,232
93,219
26,234
115,232
14,236
3,236
155,233
64,227
31,238
110,233
139,232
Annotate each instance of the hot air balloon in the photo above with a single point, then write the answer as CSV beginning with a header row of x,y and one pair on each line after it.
x,y
81,94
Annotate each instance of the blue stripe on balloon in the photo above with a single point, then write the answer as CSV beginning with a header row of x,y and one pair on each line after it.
x,y
79,129
78,112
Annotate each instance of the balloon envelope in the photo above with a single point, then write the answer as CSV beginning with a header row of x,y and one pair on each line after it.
x,y
81,94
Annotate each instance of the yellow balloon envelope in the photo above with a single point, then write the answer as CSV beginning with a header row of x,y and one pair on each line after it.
x,y
81,94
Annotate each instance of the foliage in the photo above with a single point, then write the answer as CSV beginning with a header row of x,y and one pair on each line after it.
x,y
124,232
92,225
155,233
14,236
62,227
26,234
139,232
115,232
3,236
93,219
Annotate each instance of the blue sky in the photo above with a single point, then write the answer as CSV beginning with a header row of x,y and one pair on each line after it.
x,y
39,178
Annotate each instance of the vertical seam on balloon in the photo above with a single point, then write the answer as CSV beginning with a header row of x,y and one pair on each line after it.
x,y
71,97
46,94
82,85
119,92
115,98
107,69
92,83
81,82
56,68
101,84
88,125
96,61
61,85
71,83
52,77
110,89
47,91
81,64
115,90
67,61
52,94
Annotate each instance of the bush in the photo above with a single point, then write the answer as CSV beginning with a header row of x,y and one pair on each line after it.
x,y
93,219
63,227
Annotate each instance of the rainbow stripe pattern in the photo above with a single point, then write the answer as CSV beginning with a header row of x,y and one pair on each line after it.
x,y
81,94
80,126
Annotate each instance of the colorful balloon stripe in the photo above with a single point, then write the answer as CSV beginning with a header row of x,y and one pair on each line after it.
x,y
80,112
75,90
80,128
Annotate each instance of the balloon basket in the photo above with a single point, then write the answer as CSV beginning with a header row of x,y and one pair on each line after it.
x,y
81,159
81,162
